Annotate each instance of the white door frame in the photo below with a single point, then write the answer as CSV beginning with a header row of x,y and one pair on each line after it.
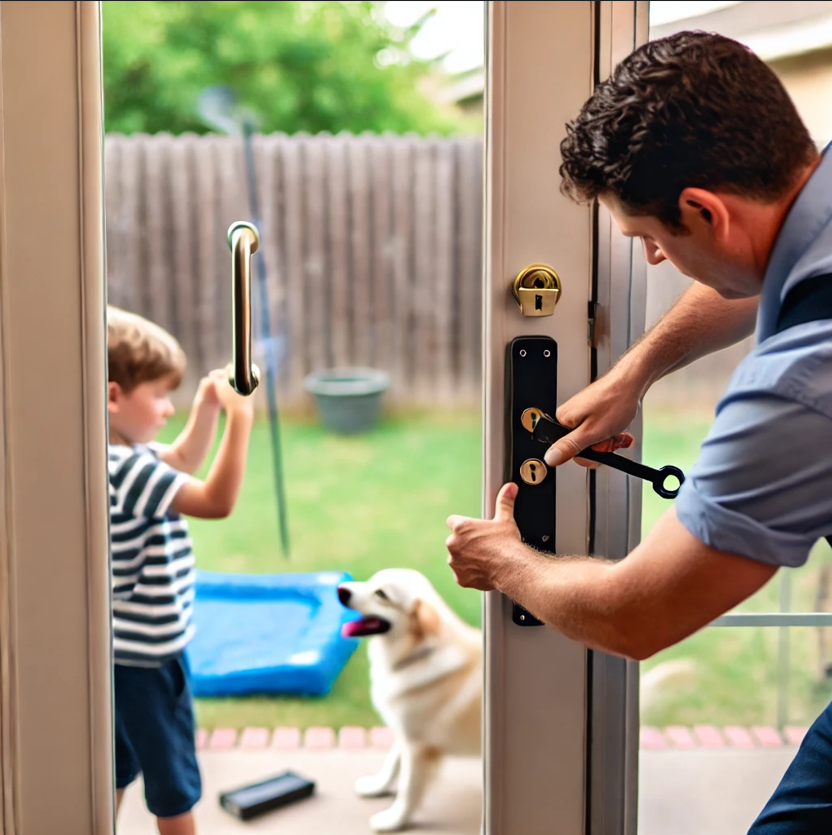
x,y
544,693
561,724
55,710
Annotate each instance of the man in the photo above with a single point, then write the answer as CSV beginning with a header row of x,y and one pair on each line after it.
x,y
695,148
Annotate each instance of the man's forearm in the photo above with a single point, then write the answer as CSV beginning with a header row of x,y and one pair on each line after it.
x,y
699,323
572,595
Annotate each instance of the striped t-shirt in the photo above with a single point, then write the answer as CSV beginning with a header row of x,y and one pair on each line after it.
x,y
153,561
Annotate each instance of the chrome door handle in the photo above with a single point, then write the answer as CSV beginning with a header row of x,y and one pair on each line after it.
x,y
244,241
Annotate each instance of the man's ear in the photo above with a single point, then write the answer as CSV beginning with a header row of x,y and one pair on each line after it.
x,y
114,393
703,209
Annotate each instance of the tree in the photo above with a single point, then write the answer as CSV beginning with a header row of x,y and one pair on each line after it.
x,y
300,66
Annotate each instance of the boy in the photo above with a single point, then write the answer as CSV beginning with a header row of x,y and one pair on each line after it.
x,y
151,489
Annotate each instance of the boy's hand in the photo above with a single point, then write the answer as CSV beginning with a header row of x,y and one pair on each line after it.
x,y
230,400
207,392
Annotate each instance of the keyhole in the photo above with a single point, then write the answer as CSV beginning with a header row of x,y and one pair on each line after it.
x,y
538,301
533,472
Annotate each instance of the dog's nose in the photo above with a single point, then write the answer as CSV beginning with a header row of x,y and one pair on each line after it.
x,y
344,594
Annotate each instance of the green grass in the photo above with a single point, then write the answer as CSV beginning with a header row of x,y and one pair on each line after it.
x,y
381,500
737,669
355,504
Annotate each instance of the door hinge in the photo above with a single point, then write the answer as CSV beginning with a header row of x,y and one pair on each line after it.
x,y
591,330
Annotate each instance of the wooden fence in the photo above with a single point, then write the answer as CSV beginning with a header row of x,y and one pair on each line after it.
x,y
372,248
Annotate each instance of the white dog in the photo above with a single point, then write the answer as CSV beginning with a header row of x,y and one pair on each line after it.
x,y
426,674
426,683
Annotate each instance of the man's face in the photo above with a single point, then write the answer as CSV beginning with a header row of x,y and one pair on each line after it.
x,y
714,253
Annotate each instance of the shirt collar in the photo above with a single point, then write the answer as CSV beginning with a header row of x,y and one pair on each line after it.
x,y
809,215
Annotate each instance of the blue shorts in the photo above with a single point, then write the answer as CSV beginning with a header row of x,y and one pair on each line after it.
x,y
155,735
802,803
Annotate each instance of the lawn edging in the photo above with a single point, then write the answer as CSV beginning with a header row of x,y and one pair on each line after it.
x,y
350,738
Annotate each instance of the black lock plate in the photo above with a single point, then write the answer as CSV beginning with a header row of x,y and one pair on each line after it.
x,y
531,382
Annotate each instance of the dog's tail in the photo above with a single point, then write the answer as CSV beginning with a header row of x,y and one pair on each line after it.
x,y
664,678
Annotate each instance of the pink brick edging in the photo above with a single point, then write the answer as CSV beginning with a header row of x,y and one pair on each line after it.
x,y
350,738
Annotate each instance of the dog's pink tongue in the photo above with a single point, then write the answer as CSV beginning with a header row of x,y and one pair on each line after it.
x,y
349,628
354,628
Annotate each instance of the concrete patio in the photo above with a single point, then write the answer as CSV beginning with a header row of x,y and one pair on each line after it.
x,y
683,792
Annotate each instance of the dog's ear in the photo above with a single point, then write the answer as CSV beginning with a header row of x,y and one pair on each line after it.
x,y
426,619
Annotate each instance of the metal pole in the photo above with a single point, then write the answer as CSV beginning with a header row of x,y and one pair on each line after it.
x,y
783,665
271,357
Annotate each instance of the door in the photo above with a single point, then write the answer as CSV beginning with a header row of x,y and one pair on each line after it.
x,y
55,711
560,723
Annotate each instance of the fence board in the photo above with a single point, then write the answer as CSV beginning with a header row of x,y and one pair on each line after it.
x,y
402,196
373,254
380,150
360,242
445,314
338,217
182,275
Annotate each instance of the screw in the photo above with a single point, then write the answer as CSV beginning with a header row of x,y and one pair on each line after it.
x,y
523,352
522,617
546,538
547,353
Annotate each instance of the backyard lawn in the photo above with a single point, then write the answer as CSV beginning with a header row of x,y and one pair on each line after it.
x,y
381,500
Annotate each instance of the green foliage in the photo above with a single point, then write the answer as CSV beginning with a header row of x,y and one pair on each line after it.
x,y
300,66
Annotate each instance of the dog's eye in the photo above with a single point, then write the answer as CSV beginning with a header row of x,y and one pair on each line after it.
x,y
380,593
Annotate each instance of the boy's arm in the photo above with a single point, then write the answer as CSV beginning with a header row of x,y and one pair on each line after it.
x,y
188,451
215,497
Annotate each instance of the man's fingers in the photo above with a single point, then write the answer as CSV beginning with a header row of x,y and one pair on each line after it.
x,y
504,506
567,448
453,522
570,445
622,441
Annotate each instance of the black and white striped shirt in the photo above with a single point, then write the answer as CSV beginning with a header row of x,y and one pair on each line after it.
x,y
153,561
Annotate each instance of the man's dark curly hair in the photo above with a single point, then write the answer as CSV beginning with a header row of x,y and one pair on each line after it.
x,y
690,110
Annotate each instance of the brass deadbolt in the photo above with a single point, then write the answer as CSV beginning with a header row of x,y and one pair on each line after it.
x,y
533,471
530,417
537,290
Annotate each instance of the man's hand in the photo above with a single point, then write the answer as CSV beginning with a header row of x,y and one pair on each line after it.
x,y
481,550
598,417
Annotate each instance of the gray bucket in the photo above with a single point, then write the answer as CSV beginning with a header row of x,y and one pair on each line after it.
x,y
349,399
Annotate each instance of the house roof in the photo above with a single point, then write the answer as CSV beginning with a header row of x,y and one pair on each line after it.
x,y
774,29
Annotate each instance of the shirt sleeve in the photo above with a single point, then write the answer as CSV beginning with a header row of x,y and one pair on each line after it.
x,y
147,486
762,486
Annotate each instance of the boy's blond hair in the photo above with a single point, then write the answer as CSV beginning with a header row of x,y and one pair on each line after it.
x,y
139,351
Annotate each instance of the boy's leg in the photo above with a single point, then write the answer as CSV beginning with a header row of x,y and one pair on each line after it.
x,y
802,803
180,825
127,763
159,715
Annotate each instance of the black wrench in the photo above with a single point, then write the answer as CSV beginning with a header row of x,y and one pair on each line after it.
x,y
547,430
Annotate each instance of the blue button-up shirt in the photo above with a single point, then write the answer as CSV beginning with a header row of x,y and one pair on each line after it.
x,y
762,486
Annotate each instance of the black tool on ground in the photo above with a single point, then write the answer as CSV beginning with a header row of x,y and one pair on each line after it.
x,y
547,430
248,802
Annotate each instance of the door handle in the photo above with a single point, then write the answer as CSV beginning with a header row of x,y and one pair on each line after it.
x,y
244,241
531,382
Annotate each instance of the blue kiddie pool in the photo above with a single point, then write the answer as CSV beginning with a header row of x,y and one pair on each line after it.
x,y
268,634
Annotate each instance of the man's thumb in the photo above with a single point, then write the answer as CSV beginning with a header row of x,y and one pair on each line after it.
x,y
565,449
505,502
